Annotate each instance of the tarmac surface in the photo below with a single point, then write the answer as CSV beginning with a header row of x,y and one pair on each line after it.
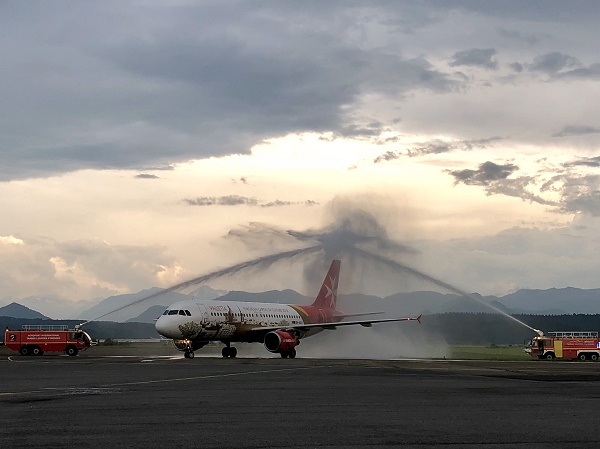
x,y
151,401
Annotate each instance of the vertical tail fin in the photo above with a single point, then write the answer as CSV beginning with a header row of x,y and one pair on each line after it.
x,y
327,296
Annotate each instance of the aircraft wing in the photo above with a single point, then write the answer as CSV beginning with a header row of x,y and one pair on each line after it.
x,y
329,326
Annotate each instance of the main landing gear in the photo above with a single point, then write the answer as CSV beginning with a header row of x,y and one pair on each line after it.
x,y
291,354
228,351
188,354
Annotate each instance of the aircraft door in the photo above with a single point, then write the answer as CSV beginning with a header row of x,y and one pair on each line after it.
x,y
203,313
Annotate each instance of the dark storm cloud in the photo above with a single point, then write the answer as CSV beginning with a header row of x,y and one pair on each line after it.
x,y
573,130
516,66
494,178
585,162
484,175
237,200
551,63
581,194
387,156
279,203
438,147
478,57
111,85
229,200
560,66
591,72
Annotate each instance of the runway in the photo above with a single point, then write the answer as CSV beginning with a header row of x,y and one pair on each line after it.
x,y
167,401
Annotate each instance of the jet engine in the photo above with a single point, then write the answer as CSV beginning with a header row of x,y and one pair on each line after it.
x,y
185,345
281,341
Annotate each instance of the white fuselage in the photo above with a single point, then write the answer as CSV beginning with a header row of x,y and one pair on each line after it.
x,y
222,320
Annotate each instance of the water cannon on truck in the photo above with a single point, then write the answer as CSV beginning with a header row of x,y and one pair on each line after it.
x,y
37,339
568,345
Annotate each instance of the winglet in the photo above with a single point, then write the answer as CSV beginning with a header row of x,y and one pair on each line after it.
x,y
419,318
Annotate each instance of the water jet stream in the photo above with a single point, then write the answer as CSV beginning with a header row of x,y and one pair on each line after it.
x,y
401,267
264,261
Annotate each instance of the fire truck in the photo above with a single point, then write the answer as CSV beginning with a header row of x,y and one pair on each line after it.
x,y
37,339
565,345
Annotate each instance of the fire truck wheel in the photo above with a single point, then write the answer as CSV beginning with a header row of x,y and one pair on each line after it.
x,y
36,350
594,357
549,356
582,357
24,350
71,350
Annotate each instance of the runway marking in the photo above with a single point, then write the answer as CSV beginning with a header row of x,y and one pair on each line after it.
x,y
211,376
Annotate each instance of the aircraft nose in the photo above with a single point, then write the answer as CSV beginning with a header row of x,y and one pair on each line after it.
x,y
164,328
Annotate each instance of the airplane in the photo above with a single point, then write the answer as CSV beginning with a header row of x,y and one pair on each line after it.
x,y
280,327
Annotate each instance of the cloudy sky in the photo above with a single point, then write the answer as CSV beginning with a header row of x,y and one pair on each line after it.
x,y
138,139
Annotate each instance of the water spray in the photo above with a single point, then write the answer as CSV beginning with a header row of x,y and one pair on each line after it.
x,y
264,262
353,226
438,282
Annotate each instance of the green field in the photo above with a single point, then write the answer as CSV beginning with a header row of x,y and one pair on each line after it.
x,y
489,353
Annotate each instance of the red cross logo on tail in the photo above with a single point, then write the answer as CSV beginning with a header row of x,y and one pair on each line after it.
x,y
327,297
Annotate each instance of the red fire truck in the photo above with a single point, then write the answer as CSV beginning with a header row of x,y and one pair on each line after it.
x,y
565,345
37,339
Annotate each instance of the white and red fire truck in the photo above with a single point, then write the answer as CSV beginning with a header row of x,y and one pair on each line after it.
x,y
37,339
565,345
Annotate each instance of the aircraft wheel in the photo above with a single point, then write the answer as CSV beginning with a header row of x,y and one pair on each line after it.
x,y
232,352
582,357
225,352
284,355
24,350
188,354
292,354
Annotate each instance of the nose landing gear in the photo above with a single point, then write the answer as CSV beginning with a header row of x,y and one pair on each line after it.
x,y
188,354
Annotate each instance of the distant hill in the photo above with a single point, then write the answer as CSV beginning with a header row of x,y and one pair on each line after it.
x,y
273,296
556,300
138,308
114,302
526,301
16,310
148,316
205,292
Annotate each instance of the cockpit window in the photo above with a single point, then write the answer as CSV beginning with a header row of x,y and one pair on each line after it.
x,y
181,312
187,312
166,312
173,312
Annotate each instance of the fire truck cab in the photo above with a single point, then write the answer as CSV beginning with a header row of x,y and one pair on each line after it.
x,y
565,345
37,339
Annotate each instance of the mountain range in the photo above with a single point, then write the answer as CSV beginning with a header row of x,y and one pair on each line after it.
x,y
537,302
